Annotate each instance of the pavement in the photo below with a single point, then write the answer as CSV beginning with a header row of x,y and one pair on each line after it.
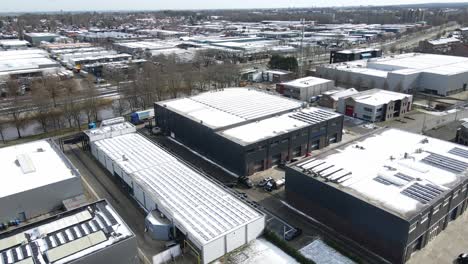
x,y
99,184
445,247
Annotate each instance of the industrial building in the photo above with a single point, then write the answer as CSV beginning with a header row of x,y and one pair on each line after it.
x,y
391,191
36,38
36,178
208,217
91,234
27,63
462,134
305,88
337,56
245,130
429,73
13,44
331,98
375,105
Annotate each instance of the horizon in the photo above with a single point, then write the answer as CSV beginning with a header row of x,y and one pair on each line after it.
x,y
122,5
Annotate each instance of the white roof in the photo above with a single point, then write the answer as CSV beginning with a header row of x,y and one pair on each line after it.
x,y
277,125
28,166
195,204
444,41
378,97
378,174
306,82
230,106
65,237
13,42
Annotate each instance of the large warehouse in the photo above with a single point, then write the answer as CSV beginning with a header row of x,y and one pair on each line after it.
x,y
430,73
246,130
209,217
391,191
91,234
36,177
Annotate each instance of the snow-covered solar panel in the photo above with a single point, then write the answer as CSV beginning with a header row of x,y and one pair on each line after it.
x,y
459,152
445,163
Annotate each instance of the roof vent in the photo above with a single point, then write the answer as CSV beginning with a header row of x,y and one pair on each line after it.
x,y
124,158
26,164
425,141
40,150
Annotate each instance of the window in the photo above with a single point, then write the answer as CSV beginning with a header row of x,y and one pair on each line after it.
x,y
436,209
366,117
412,227
250,150
367,109
285,140
446,202
304,133
455,194
424,218
262,147
379,109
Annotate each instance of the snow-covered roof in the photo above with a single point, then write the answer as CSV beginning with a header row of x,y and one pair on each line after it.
x,y
28,166
230,106
306,82
442,41
194,203
65,237
399,171
278,125
378,97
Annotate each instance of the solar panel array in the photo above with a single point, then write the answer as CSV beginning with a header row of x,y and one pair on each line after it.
x,y
195,203
459,152
103,221
313,117
246,103
423,193
445,163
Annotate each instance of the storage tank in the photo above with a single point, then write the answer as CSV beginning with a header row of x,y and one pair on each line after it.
x,y
158,227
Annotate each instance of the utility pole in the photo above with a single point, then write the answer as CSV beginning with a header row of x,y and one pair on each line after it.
x,y
301,60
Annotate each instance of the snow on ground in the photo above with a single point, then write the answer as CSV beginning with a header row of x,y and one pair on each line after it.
x,y
321,253
260,251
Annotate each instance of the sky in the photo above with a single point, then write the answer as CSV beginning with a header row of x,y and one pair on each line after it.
x,y
85,5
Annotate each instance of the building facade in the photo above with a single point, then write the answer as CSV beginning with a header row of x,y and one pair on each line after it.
x,y
305,88
337,56
246,131
409,193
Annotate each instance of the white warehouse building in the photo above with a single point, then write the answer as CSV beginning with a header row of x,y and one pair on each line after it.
x,y
430,73
211,219
305,88
36,178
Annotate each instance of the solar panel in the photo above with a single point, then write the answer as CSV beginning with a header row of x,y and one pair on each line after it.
x,y
445,163
15,255
4,257
387,181
82,231
404,177
459,152
109,216
24,251
422,193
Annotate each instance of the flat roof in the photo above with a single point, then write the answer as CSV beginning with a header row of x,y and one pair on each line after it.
x,y
378,97
278,125
230,106
28,166
41,34
196,205
65,237
402,178
306,82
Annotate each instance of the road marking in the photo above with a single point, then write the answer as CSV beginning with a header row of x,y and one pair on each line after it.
x,y
144,256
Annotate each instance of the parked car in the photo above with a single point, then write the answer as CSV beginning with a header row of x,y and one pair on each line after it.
x,y
293,234
246,182
264,181
462,258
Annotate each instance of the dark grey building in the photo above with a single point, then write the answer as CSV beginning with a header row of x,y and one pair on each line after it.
x,y
337,56
91,234
390,198
245,130
462,134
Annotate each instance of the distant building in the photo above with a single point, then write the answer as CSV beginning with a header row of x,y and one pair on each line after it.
x,y
36,38
330,99
13,44
390,191
354,54
91,234
245,130
430,73
305,88
277,76
375,105
36,178
438,46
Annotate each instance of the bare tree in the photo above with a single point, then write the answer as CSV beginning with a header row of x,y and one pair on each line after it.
x,y
13,92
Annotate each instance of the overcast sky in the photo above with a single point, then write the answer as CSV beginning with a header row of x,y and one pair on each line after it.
x,y
80,5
